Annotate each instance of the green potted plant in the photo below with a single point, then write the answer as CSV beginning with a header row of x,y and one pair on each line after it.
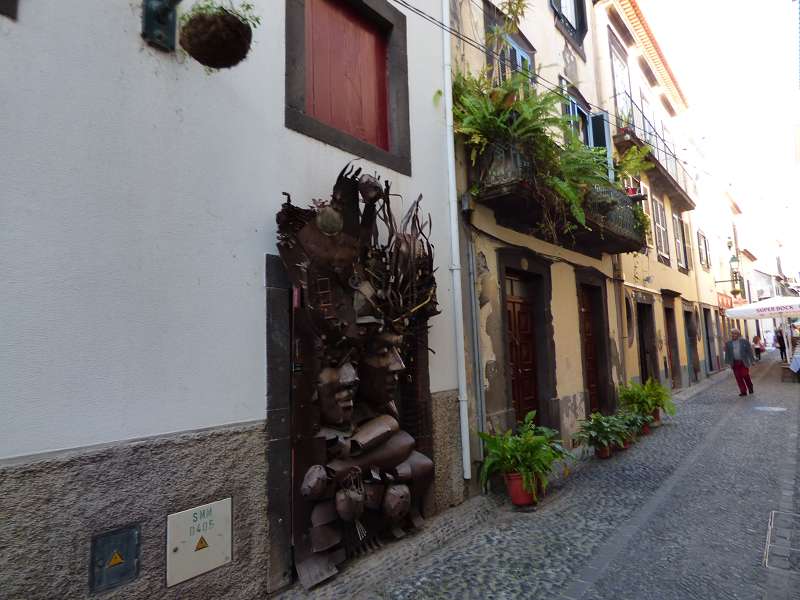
x,y
633,398
218,34
634,425
659,398
601,432
561,454
525,459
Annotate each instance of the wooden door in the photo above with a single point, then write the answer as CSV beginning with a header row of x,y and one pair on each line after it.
x,y
521,347
590,343
672,347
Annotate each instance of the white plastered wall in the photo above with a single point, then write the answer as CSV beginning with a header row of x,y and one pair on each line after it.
x,y
137,201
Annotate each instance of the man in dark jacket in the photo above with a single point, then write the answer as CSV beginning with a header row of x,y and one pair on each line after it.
x,y
739,355
780,343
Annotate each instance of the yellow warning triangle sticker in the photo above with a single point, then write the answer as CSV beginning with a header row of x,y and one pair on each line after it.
x,y
201,543
116,559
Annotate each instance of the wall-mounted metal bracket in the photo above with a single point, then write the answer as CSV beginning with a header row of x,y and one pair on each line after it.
x,y
158,23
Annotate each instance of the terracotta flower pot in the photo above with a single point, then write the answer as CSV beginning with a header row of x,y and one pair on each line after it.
x,y
218,40
519,496
624,446
603,452
656,414
645,430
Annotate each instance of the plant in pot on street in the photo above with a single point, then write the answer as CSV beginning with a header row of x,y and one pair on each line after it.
x,y
634,398
634,424
524,458
562,455
218,34
659,398
601,432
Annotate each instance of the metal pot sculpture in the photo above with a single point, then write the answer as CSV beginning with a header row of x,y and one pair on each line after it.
x,y
364,289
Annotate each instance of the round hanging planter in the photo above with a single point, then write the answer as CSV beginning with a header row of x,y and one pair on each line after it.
x,y
217,39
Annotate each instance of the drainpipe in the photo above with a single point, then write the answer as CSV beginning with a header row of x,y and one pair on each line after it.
x,y
455,250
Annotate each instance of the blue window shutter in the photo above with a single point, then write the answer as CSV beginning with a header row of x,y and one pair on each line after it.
x,y
600,137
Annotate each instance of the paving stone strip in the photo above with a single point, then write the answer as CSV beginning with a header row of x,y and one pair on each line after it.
x,y
683,514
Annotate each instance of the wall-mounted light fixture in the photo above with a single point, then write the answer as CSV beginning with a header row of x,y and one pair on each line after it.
x,y
158,23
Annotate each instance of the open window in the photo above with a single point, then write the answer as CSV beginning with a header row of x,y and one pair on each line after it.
x,y
703,250
570,19
661,231
515,55
680,241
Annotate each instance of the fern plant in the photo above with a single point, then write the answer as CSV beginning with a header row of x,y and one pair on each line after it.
x,y
659,396
531,452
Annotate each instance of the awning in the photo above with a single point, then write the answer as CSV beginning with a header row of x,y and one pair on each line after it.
x,y
778,307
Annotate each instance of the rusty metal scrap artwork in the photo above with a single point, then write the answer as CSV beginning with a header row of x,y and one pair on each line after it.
x,y
363,291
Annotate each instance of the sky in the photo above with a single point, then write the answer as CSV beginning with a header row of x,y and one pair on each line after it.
x,y
737,63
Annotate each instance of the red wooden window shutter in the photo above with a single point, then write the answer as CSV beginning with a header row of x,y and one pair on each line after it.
x,y
346,65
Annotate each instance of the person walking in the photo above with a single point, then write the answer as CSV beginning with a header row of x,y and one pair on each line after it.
x,y
780,343
739,355
757,347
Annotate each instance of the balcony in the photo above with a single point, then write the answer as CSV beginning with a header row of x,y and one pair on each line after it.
x,y
504,180
634,128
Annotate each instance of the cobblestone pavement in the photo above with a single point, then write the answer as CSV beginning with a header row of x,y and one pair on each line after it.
x,y
682,514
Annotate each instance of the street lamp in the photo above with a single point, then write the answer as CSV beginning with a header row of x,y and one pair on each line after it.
x,y
734,262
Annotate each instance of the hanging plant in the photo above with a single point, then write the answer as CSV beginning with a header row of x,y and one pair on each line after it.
x,y
218,35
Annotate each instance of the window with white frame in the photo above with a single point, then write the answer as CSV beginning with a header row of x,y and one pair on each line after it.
x,y
660,227
680,240
514,59
703,250
644,190
577,110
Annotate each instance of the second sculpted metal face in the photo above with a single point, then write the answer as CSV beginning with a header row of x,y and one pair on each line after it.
x,y
363,290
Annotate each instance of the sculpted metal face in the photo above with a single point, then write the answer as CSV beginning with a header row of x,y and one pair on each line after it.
x,y
336,388
379,369
364,290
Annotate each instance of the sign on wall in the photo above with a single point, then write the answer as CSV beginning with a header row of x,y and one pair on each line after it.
x,y
198,540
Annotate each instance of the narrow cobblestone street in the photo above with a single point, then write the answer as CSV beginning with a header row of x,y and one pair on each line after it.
x,y
683,514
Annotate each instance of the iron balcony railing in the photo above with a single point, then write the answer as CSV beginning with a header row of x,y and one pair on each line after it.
x,y
632,121
503,171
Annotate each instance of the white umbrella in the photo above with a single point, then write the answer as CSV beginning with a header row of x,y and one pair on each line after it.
x,y
778,307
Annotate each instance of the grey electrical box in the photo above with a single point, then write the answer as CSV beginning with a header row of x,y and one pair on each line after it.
x,y
115,558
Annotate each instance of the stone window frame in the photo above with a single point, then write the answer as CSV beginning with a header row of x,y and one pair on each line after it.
x,y
393,22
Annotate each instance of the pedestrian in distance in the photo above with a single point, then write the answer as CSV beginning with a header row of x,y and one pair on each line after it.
x,y
739,355
757,346
780,343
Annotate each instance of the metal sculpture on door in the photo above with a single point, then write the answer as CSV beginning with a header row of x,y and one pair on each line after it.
x,y
363,291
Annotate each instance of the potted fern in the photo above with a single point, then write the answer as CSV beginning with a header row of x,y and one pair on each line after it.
x,y
602,433
659,399
525,459
216,34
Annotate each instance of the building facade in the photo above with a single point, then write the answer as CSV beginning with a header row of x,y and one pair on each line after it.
x,y
145,311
